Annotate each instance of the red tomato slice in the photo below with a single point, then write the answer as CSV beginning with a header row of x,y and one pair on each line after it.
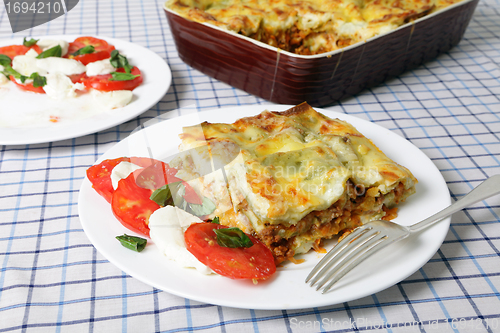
x,y
86,59
73,47
101,47
100,174
98,44
102,82
14,50
159,174
132,206
255,262
76,78
28,86
191,196
156,175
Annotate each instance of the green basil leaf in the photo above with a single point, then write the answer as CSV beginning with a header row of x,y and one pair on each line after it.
x,y
38,80
5,60
55,51
169,194
8,70
216,220
232,237
122,76
162,196
206,208
29,43
84,50
133,243
119,61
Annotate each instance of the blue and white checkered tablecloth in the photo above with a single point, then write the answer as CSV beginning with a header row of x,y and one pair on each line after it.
x,y
53,280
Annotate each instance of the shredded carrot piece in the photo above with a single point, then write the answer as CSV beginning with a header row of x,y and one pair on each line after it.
x,y
295,261
318,248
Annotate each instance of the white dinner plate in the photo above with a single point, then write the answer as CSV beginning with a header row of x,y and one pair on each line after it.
x,y
286,290
24,116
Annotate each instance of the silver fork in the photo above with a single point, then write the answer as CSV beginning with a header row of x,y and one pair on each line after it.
x,y
373,236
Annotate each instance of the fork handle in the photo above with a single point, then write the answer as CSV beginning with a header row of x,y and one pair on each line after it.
x,y
486,189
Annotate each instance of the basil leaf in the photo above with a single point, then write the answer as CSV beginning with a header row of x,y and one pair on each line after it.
x,y
5,60
122,76
206,208
162,196
133,243
55,51
232,237
119,61
8,70
84,50
216,220
29,43
38,80
169,194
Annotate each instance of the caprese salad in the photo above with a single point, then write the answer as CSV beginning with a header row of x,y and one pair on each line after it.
x,y
60,69
148,197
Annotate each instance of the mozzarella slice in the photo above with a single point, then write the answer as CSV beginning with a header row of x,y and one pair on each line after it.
x,y
166,229
59,86
122,171
100,67
46,44
112,99
61,65
27,64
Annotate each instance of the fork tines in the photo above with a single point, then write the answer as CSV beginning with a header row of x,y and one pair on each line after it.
x,y
339,261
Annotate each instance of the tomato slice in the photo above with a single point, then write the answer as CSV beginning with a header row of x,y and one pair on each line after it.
x,y
86,59
101,47
73,47
191,196
28,86
81,42
156,175
102,82
78,78
14,50
100,174
255,262
131,205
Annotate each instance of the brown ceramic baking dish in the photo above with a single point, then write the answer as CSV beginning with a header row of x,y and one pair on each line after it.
x,y
287,78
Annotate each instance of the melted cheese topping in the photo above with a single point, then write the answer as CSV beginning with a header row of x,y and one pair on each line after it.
x,y
307,26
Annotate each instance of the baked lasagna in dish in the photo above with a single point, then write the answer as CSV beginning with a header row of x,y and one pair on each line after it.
x,y
307,26
292,178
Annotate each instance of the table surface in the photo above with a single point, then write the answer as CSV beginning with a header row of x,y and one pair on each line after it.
x,y
52,279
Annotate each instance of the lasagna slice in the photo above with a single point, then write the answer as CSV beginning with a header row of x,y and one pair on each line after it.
x,y
292,178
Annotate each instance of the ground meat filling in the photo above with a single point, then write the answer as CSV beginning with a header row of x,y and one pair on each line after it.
x,y
342,216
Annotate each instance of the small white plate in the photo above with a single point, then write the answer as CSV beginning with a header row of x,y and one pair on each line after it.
x,y
286,290
24,115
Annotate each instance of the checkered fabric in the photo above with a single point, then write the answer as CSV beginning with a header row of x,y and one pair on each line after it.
x,y
53,280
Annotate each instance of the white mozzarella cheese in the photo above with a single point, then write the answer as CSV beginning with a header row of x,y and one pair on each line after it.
x,y
101,67
61,65
59,86
122,171
27,64
46,44
166,229
112,99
